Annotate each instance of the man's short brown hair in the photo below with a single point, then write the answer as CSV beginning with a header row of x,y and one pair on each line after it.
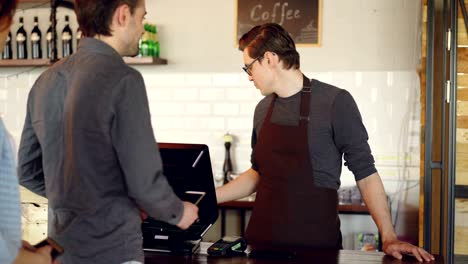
x,y
274,38
95,17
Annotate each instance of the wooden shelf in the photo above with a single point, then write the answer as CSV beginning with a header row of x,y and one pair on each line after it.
x,y
27,4
20,2
145,61
353,209
238,204
25,63
46,62
342,208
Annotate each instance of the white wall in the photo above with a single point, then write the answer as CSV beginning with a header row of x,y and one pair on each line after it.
x,y
369,47
357,35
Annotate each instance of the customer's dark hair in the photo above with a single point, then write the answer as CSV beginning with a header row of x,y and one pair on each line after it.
x,y
271,37
7,11
95,16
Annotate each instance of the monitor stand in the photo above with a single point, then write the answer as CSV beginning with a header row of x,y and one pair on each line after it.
x,y
177,247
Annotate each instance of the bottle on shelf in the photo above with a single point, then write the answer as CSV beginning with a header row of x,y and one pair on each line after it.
x,y
36,37
21,40
7,53
144,43
149,41
227,166
49,41
156,42
79,34
67,38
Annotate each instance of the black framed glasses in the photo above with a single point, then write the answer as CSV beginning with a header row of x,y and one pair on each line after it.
x,y
247,67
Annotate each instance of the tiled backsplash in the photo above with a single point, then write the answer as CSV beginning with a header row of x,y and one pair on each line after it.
x,y
201,107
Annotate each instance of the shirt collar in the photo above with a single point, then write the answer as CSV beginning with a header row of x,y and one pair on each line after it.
x,y
98,46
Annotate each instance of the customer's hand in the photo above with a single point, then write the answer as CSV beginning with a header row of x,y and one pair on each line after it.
x,y
189,216
143,215
28,254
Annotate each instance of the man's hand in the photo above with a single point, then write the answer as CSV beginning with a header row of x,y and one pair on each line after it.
x,y
374,196
29,254
396,248
143,215
189,216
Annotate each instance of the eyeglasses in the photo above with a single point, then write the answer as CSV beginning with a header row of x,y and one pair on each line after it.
x,y
247,67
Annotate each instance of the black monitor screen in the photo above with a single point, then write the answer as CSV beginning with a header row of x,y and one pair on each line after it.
x,y
188,170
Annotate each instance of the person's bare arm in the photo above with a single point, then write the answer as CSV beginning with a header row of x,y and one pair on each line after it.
x,y
244,185
374,196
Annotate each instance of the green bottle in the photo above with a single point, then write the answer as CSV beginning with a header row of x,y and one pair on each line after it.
x,y
144,49
156,42
151,41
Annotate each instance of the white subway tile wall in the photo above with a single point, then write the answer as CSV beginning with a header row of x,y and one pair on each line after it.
x,y
198,97
200,108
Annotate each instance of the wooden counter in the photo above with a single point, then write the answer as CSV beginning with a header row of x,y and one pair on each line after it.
x,y
309,256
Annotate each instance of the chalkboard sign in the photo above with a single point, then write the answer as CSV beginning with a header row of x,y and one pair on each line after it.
x,y
301,18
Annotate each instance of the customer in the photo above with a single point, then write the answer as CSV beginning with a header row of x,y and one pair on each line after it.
x,y
11,249
88,145
302,129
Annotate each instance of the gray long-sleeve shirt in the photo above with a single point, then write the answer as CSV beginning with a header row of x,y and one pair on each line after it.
x,y
88,146
335,131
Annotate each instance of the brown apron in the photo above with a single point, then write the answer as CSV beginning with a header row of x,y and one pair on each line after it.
x,y
289,210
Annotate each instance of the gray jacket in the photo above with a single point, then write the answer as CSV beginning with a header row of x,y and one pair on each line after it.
x,y
88,146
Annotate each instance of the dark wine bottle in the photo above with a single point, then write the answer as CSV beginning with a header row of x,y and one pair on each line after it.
x,y
227,166
49,41
7,53
21,40
67,37
36,40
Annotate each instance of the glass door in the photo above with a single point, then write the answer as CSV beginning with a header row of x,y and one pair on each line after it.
x,y
460,179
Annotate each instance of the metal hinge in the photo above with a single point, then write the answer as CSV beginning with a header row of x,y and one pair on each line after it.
x,y
449,39
447,92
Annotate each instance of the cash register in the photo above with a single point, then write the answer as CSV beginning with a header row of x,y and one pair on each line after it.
x,y
188,170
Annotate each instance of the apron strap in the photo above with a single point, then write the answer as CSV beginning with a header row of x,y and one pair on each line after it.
x,y
305,102
270,109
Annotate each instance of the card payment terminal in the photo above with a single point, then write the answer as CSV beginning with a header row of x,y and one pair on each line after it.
x,y
228,246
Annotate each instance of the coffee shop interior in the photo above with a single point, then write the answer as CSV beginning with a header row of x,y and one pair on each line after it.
x,y
395,58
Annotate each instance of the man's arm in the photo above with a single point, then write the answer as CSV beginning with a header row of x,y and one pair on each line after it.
x,y
374,196
30,170
138,154
244,185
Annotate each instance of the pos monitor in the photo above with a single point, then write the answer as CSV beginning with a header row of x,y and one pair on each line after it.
x,y
188,170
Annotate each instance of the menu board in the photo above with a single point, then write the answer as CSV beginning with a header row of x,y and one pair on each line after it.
x,y
301,18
